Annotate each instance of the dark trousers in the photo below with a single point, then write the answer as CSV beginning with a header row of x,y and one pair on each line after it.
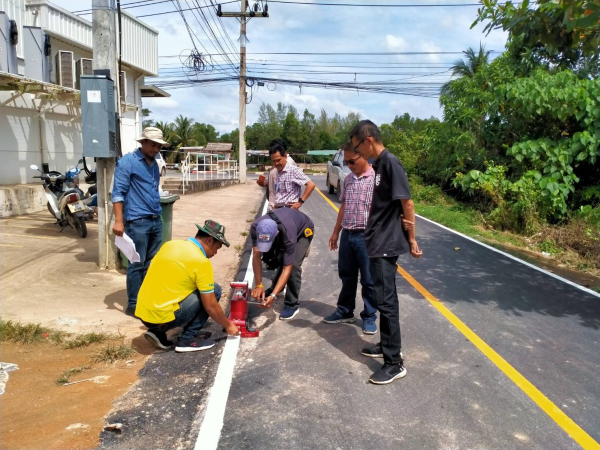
x,y
191,315
383,271
146,233
353,258
295,282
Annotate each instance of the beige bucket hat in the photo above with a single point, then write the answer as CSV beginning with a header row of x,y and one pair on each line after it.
x,y
152,134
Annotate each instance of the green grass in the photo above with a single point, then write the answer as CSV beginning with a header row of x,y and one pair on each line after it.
x,y
29,333
34,333
83,340
65,377
433,203
113,353
244,233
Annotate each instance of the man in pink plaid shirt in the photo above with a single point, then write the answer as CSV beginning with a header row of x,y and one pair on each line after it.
x,y
290,179
353,258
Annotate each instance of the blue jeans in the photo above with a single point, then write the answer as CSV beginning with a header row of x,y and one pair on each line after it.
x,y
353,258
147,236
191,315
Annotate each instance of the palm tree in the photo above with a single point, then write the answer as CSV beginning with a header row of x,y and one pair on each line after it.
x,y
473,64
169,135
184,131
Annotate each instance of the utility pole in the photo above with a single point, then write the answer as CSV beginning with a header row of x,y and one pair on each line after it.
x,y
243,16
104,41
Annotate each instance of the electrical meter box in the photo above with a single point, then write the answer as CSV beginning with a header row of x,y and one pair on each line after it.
x,y
99,125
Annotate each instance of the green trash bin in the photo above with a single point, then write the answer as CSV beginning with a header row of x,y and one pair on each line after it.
x,y
166,202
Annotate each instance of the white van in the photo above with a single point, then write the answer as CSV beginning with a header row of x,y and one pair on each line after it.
x,y
162,165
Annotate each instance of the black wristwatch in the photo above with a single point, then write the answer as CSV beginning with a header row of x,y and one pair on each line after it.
x,y
301,201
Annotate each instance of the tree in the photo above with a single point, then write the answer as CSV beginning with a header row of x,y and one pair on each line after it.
x,y
185,132
562,33
145,121
468,68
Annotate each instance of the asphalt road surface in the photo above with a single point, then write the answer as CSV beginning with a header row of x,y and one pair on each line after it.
x,y
529,382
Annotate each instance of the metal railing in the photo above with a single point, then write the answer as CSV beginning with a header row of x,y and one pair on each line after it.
x,y
185,172
207,167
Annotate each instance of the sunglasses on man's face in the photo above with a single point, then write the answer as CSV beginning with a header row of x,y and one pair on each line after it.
x,y
350,162
359,144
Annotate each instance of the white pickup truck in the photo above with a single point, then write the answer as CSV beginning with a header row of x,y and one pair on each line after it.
x,y
336,173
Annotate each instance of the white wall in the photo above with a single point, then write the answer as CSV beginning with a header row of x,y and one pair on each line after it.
x,y
20,143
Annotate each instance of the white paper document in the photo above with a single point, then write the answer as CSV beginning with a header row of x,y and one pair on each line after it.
x,y
127,246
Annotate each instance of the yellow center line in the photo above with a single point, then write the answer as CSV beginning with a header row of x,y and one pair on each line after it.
x,y
555,413
27,236
327,199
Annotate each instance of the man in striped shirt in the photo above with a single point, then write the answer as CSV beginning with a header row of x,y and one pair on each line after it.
x,y
353,257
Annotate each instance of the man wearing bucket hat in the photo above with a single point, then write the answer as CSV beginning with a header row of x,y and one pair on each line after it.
x,y
136,205
179,291
281,239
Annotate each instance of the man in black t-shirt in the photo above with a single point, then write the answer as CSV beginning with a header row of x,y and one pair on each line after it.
x,y
386,240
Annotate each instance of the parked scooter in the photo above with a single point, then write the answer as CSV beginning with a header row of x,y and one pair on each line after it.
x,y
90,179
89,199
64,204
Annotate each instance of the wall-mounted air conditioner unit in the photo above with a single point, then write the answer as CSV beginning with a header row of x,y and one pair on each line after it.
x,y
64,69
123,86
8,51
14,32
36,44
83,67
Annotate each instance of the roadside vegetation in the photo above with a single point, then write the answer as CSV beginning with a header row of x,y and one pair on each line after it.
x,y
34,333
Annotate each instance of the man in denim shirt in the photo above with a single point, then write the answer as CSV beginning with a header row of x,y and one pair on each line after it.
x,y
136,204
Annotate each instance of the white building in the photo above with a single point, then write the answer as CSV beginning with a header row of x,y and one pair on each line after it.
x,y
43,49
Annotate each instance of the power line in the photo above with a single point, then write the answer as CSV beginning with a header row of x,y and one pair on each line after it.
x,y
216,41
378,5
89,11
339,53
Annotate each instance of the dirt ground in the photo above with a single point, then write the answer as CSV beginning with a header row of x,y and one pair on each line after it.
x,y
37,413
52,278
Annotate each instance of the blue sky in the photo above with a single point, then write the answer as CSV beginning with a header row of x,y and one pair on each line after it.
x,y
313,28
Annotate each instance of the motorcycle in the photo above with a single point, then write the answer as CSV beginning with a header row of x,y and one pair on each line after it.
x,y
89,199
63,203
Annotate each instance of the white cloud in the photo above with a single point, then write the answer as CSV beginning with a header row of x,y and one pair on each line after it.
x,y
395,43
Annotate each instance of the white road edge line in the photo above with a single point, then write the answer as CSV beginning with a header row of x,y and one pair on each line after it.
x,y
564,280
210,430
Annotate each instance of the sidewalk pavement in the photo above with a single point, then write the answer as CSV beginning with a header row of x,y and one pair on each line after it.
x,y
52,278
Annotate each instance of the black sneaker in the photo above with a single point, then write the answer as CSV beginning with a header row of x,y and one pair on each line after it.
x,y
388,373
158,339
130,311
194,345
374,352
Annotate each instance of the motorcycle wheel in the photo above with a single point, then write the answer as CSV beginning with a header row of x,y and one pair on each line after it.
x,y
80,226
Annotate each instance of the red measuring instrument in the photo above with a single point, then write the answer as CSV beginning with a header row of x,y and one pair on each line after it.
x,y
238,312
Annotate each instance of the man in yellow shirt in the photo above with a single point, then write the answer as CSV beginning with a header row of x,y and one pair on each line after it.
x,y
179,291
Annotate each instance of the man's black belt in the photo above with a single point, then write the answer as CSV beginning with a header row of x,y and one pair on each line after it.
x,y
153,217
362,230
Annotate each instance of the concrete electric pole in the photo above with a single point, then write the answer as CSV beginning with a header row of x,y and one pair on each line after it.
x,y
104,41
243,16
